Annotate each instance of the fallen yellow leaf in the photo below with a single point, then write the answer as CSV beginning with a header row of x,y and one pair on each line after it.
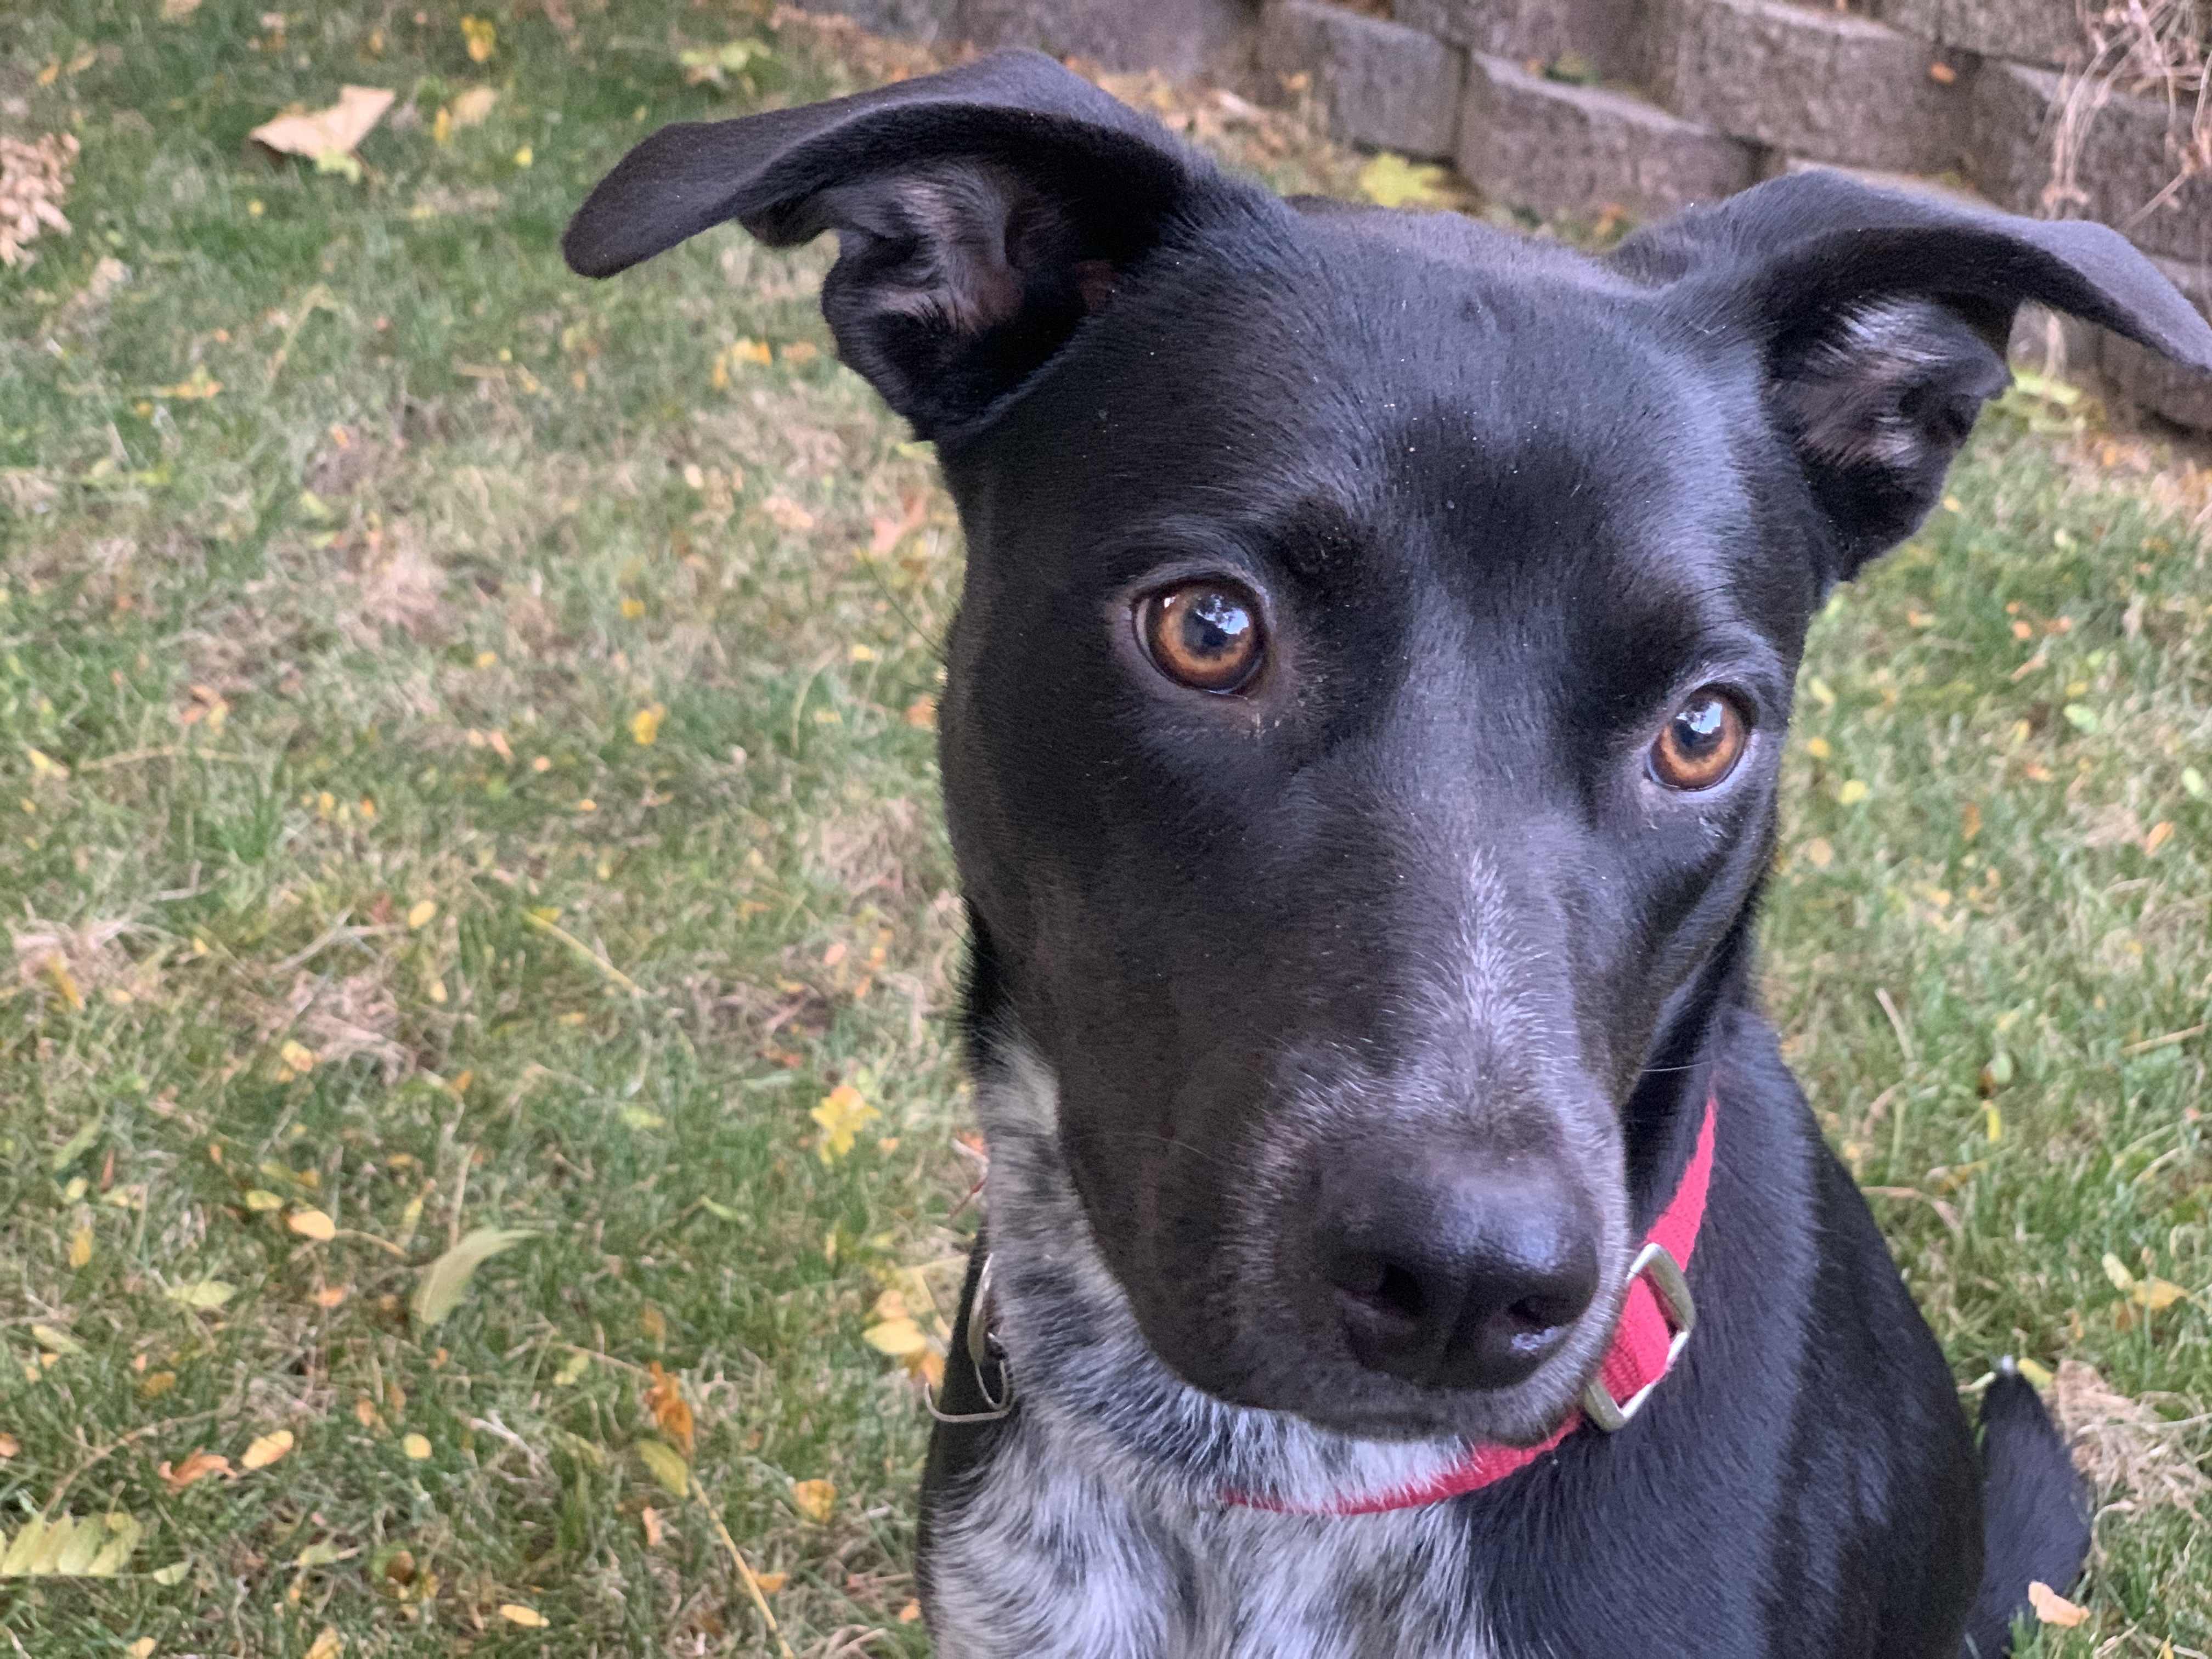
x,y
843,1114
481,37
896,1337
664,1400
420,913
297,1057
667,1465
143,1647
198,386
1392,181
786,514
416,1447
8,1446
2158,1294
2052,1608
645,725
198,1466
816,1499
312,1224
266,1450
470,109
529,1618
79,1250
445,1280
328,1645
332,131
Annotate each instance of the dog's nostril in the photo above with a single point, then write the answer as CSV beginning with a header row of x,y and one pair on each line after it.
x,y
1399,1293
1457,1278
1538,1313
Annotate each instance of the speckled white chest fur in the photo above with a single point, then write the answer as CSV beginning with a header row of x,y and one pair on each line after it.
x,y
1097,1529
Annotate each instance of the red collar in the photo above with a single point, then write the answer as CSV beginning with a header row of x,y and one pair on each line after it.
x,y
1655,1322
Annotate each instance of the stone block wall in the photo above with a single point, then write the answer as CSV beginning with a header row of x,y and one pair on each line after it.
x,y
1578,106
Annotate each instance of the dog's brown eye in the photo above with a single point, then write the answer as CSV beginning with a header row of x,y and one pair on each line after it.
x,y
1205,633
1702,742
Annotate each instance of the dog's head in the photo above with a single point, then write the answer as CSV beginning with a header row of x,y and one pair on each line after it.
x,y
1365,709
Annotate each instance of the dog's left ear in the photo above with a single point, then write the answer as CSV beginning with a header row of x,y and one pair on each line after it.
x,y
980,215
1883,319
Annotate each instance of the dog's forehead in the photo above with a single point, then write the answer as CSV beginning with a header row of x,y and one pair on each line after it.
x,y
1519,424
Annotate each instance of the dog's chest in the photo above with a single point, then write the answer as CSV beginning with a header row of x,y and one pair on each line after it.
x,y
1045,1559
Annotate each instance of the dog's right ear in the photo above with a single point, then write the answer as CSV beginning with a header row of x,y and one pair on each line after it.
x,y
980,215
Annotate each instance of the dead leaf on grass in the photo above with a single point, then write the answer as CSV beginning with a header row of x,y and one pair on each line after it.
x,y
842,1115
34,181
2121,1443
327,136
266,1450
198,1466
445,1280
206,1294
339,1019
670,1412
667,1466
816,1500
472,106
69,1546
400,587
2052,1608
787,514
73,962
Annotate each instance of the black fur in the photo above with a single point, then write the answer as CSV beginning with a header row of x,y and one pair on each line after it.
x,y
1413,895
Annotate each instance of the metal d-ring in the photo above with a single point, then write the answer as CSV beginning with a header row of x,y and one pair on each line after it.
x,y
983,1349
1655,1262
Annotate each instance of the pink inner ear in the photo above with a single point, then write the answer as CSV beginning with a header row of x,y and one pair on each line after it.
x,y
1095,280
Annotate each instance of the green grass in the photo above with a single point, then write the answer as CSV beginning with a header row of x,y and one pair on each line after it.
x,y
371,629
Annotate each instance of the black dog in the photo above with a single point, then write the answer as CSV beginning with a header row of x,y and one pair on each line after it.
x,y
1360,749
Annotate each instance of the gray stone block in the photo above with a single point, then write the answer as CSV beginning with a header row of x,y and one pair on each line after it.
x,y
1558,149
2181,396
1822,84
2051,342
925,21
1384,85
1524,30
1179,37
2045,32
2128,158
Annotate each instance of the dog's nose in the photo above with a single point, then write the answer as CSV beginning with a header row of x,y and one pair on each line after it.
x,y
1453,1274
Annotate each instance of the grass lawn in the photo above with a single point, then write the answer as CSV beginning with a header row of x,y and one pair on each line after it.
x,y
466,765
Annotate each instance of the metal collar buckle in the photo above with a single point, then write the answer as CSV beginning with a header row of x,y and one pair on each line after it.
x,y
983,1349
1655,1262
